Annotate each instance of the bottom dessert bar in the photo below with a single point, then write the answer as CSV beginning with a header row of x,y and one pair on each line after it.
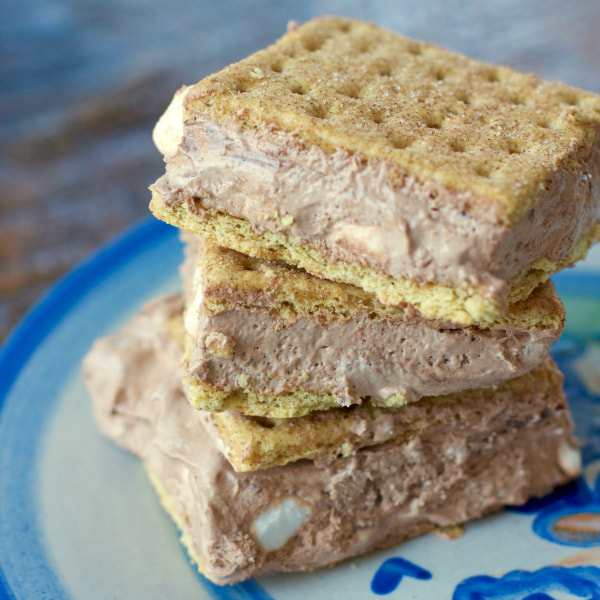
x,y
309,514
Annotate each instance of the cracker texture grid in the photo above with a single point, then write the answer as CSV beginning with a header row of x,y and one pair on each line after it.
x,y
440,116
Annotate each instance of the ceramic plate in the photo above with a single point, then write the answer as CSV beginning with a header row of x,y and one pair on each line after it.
x,y
79,520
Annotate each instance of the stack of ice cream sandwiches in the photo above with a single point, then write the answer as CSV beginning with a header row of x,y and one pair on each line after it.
x,y
361,351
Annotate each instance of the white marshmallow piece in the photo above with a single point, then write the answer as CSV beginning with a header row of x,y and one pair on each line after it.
x,y
275,527
569,459
586,366
168,132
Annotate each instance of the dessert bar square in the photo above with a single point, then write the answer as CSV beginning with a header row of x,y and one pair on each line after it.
x,y
361,156
146,355
268,339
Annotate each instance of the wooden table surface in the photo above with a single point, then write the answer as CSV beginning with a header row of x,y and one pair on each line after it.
x,y
82,83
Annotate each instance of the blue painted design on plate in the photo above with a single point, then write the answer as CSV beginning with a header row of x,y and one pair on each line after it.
x,y
248,590
575,500
582,402
391,572
577,494
18,450
574,284
580,582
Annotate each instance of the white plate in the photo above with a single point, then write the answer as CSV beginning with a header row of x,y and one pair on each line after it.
x,y
79,520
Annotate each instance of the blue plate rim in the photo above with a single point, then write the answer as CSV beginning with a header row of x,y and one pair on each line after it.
x,y
60,298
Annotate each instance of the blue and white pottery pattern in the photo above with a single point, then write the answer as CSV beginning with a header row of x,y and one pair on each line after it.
x,y
78,519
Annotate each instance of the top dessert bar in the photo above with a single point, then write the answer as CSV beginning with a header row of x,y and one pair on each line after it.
x,y
420,175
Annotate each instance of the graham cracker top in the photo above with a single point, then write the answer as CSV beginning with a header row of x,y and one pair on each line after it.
x,y
467,125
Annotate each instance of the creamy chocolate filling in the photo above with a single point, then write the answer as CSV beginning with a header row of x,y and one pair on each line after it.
x,y
361,357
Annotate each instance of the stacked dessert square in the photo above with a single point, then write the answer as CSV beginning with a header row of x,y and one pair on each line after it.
x,y
370,226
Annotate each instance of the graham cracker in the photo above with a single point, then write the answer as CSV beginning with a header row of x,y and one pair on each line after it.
x,y
232,280
464,306
230,283
498,139
340,83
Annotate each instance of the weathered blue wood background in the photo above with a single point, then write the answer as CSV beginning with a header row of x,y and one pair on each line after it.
x,y
82,82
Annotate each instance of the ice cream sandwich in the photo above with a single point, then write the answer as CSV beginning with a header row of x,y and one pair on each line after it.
x,y
420,175
434,463
268,339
